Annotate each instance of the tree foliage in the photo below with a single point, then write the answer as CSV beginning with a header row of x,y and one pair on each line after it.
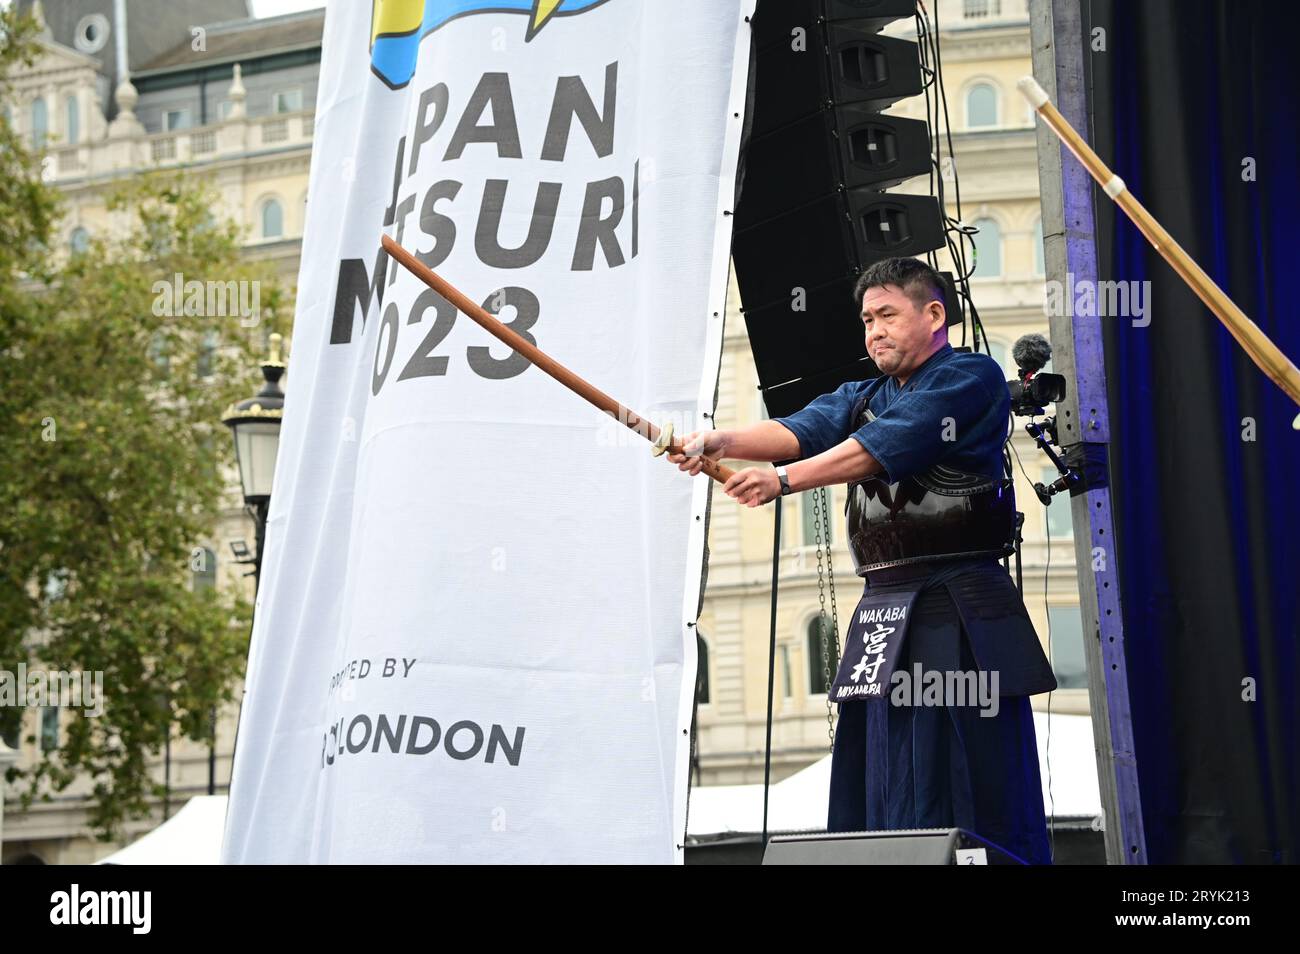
x,y
116,465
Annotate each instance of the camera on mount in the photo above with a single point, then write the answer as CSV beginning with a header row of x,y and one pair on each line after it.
x,y
1033,390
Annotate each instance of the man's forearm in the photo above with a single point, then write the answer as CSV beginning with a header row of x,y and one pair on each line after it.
x,y
843,463
765,441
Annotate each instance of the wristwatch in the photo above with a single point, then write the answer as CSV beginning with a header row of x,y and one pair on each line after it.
x,y
785,480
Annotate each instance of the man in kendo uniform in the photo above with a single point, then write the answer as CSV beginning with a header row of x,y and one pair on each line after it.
x,y
930,513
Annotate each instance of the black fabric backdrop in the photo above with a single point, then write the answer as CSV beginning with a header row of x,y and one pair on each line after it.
x,y
1208,521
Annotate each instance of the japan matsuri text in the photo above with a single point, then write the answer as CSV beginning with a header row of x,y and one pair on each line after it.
x,y
578,226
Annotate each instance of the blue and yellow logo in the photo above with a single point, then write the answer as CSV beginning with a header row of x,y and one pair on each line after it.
x,y
397,26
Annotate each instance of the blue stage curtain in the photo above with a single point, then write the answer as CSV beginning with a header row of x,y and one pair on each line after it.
x,y
1195,105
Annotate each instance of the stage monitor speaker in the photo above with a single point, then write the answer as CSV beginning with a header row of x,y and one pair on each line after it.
x,y
924,846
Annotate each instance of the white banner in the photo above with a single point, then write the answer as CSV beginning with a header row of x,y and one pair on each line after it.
x,y
473,639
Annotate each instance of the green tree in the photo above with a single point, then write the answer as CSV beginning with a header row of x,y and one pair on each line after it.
x,y
115,463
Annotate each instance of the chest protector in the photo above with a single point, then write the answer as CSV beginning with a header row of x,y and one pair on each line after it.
x,y
940,514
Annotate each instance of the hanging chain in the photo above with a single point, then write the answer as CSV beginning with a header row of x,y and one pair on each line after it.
x,y
828,627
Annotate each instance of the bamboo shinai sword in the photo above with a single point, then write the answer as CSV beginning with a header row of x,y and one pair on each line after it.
x,y
1256,344
660,437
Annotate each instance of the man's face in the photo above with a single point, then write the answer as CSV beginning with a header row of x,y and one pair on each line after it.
x,y
899,335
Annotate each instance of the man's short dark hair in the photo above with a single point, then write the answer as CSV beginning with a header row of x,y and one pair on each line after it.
x,y
919,281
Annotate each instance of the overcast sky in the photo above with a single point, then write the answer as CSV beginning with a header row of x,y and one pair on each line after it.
x,y
273,8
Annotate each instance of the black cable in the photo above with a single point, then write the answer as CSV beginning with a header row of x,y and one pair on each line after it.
x,y
1047,612
1047,746
956,233
771,663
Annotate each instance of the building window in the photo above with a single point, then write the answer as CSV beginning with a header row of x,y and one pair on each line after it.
x,y
988,249
980,9
807,509
288,101
998,352
1067,647
49,728
40,123
158,353
78,241
1059,521
981,106
817,653
11,735
74,120
1038,247
272,219
91,33
176,119
207,355
701,669
203,569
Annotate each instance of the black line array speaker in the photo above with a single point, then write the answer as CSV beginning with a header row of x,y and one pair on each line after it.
x,y
922,846
812,210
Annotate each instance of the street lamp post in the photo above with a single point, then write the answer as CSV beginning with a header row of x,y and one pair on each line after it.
x,y
255,425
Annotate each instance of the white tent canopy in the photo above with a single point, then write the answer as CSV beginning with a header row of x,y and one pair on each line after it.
x,y
799,803
190,837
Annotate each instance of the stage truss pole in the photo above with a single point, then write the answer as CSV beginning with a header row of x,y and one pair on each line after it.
x,y
1060,38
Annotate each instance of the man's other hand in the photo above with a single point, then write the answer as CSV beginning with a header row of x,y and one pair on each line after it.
x,y
698,445
753,486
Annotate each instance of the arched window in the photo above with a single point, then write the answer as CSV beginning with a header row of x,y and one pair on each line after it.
x,y
50,729
203,566
981,106
1038,247
74,120
817,655
272,219
988,249
79,240
40,123
702,669
11,735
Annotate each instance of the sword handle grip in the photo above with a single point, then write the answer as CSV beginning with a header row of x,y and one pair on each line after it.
x,y
711,467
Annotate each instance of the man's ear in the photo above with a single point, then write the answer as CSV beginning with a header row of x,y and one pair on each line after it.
x,y
937,315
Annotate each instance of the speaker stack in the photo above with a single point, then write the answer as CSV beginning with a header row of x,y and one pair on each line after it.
x,y
812,208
